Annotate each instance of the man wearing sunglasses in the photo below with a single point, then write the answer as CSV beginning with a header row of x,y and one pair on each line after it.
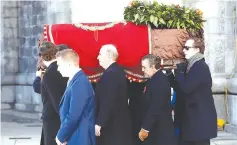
x,y
193,82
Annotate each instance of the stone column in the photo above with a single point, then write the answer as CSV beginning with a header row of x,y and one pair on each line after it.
x,y
32,16
31,20
9,51
220,37
232,88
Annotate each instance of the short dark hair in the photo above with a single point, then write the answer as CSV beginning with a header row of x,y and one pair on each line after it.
x,y
198,43
62,47
153,60
47,51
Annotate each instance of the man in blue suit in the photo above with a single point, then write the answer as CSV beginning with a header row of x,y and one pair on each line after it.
x,y
77,104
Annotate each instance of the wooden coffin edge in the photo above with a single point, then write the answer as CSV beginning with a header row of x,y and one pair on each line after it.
x,y
171,63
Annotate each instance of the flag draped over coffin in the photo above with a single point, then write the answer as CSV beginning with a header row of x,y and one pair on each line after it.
x,y
132,42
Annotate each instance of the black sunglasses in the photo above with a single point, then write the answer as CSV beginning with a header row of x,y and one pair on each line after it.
x,y
187,47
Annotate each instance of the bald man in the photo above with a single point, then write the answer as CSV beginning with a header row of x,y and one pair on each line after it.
x,y
113,124
77,104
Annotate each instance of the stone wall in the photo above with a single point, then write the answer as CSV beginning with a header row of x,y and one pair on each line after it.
x,y
10,46
23,23
232,88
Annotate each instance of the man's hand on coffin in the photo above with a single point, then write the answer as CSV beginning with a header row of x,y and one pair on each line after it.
x,y
39,73
40,64
168,72
181,67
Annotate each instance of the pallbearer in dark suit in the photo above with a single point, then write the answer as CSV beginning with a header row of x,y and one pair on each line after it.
x,y
113,122
135,92
37,80
39,75
77,104
199,117
53,86
39,72
157,126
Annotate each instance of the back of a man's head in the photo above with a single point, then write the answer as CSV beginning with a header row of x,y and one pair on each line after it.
x,y
62,47
47,51
111,50
198,43
68,55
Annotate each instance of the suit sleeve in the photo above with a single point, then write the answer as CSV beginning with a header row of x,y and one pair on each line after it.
x,y
37,85
78,101
106,99
54,84
156,102
192,80
172,81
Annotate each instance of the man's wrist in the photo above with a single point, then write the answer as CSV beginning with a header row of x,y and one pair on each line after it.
x,y
58,140
38,77
145,130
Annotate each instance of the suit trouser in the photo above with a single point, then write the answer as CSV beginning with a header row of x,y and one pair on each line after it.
x,y
203,142
50,130
42,137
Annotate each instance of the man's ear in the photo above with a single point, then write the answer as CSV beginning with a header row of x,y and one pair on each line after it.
x,y
153,66
110,55
70,64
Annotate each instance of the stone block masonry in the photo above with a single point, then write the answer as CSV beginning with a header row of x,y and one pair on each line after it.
x,y
10,37
22,24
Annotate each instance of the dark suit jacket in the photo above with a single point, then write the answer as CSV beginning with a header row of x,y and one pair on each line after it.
x,y
112,112
135,91
199,120
179,106
37,85
53,86
37,89
156,111
77,112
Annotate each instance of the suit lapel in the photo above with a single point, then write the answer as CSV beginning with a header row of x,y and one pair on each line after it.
x,y
65,93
